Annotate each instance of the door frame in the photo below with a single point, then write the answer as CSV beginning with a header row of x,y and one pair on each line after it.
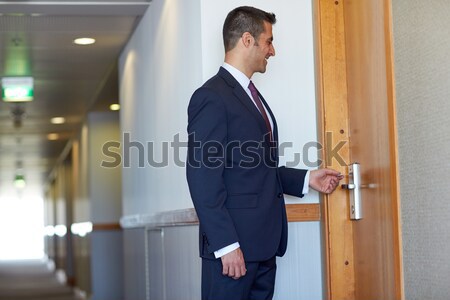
x,y
333,127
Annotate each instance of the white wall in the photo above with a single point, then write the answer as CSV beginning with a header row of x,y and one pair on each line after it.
x,y
104,186
80,159
104,194
159,69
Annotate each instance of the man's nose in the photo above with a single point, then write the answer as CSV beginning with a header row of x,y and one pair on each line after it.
x,y
272,50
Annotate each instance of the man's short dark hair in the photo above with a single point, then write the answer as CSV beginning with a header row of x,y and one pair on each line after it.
x,y
244,19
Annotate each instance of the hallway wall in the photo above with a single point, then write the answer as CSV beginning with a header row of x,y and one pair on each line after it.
x,y
422,66
104,187
83,192
159,69
81,209
175,48
104,194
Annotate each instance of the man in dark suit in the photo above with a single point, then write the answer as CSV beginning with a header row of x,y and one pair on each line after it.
x,y
233,175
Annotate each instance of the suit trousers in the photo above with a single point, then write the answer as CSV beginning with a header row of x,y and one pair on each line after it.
x,y
257,284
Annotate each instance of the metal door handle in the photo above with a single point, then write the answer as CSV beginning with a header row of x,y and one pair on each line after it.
x,y
348,186
355,186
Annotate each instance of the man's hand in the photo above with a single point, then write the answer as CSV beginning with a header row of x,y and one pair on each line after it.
x,y
324,180
233,264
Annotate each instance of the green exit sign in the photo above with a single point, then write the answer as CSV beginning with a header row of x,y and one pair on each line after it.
x,y
17,89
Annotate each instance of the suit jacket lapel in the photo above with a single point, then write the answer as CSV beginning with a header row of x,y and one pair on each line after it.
x,y
239,92
243,97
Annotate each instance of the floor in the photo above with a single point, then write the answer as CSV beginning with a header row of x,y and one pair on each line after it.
x,y
32,279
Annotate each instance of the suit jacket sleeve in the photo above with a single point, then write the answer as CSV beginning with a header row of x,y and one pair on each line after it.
x,y
207,129
292,181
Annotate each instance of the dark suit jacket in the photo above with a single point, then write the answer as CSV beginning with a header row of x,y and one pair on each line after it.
x,y
233,175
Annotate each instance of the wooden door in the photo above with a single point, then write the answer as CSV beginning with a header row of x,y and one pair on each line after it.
x,y
357,101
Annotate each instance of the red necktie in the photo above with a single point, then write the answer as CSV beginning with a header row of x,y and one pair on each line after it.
x,y
258,103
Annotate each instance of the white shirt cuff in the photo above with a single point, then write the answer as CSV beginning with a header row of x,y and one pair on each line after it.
x,y
306,184
225,250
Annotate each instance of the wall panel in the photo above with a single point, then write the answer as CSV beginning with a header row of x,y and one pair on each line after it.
x,y
421,43
135,277
182,263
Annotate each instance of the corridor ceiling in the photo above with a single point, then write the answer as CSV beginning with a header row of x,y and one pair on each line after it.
x,y
36,39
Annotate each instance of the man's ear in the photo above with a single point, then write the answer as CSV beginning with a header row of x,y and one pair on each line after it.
x,y
247,39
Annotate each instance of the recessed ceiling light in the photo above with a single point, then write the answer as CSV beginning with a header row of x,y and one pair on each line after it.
x,y
114,107
52,136
84,41
57,120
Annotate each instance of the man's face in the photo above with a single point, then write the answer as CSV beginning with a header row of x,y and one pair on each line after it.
x,y
262,49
